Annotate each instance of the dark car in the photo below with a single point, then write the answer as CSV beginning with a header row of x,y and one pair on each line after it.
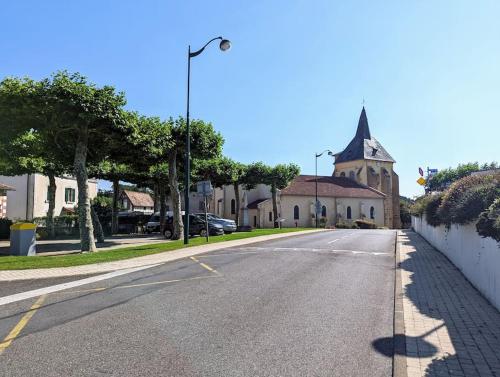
x,y
196,227
228,224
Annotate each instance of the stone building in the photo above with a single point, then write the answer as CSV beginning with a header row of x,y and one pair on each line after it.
x,y
366,161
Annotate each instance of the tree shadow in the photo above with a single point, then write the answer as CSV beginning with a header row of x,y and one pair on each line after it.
x,y
439,291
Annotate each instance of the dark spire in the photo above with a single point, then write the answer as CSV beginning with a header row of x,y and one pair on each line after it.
x,y
363,131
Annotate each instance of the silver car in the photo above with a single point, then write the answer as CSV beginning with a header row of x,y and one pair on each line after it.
x,y
228,224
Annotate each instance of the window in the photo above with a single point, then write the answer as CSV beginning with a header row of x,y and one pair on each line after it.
x,y
342,174
201,205
296,212
69,195
233,206
48,195
352,175
270,216
323,211
349,215
255,221
372,212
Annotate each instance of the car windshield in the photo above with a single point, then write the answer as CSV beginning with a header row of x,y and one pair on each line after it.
x,y
154,219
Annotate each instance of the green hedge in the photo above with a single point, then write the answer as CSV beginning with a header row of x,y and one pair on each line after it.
x,y
5,229
452,206
365,224
431,209
488,224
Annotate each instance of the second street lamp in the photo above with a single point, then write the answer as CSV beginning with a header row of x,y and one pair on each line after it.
x,y
224,45
316,204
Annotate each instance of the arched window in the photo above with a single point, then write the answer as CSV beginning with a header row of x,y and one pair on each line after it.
x,y
233,206
349,215
323,211
352,175
372,212
342,174
296,212
270,216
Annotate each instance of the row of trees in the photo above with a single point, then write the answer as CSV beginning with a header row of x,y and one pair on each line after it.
x,y
444,178
66,125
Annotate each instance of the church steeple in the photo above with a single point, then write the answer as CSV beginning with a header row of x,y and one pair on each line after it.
x,y
363,131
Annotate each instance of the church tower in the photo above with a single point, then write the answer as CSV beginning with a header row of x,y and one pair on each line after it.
x,y
367,162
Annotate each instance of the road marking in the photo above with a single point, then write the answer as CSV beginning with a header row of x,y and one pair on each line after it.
x,y
333,240
205,266
60,287
21,324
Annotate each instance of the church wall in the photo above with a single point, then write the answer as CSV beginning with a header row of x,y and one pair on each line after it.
x,y
348,166
259,192
359,207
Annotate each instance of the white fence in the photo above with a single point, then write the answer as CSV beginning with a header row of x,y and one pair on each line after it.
x,y
478,258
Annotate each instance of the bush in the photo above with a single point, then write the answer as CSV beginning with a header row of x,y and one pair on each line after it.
x,y
365,224
5,229
474,201
342,225
453,196
418,208
488,224
432,204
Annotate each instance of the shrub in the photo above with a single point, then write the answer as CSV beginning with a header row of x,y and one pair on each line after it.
x,y
418,208
432,205
456,192
342,225
488,224
365,224
474,201
5,228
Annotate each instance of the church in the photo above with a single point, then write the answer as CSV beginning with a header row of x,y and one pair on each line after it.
x,y
363,185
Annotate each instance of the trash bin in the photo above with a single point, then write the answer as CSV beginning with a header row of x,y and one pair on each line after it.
x,y
23,239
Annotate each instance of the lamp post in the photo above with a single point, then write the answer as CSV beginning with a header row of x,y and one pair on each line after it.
x,y
224,45
330,153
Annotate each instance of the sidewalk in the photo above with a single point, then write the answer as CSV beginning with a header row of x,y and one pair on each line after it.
x,y
450,328
146,260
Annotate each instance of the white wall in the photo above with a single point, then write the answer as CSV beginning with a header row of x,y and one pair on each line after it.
x,y
37,195
478,258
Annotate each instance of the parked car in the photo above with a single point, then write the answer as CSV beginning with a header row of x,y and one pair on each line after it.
x,y
228,224
153,225
196,227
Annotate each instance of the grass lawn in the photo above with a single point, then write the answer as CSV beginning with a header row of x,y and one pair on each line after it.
x,y
23,263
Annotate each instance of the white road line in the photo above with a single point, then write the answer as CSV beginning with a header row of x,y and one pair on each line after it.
x,y
60,287
333,240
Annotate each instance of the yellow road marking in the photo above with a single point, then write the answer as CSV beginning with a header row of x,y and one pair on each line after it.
x,y
21,324
205,266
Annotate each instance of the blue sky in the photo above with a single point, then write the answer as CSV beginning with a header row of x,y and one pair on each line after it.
x,y
294,81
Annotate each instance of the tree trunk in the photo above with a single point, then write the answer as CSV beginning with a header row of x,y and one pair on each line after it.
x,y
178,226
114,212
52,203
275,206
156,197
163,206
87,242
98,232
237,202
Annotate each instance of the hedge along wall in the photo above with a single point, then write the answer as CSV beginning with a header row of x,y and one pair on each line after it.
x,y
478,258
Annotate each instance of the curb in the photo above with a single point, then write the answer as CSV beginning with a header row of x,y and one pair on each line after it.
x,y
158,258
399,357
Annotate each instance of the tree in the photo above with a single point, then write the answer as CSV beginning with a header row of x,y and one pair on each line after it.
x,y
446,177
206,144
23,148
279,177
223,171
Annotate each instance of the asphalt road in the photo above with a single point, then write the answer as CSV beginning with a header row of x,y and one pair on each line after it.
x,y
301,306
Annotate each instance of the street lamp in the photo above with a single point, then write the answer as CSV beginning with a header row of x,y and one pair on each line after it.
x,y
316,209
224,45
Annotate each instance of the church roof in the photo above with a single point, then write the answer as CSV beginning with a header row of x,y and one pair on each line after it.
x,y
328,186
363,145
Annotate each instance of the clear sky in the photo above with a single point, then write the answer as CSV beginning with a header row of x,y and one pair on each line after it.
x,y
294,81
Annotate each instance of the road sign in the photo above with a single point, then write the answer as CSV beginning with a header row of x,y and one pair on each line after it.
x,y
421,181
204,188
421,172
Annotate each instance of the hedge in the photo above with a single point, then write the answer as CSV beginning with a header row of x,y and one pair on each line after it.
x,y
432,206
454,195
5,228
365,224
488,224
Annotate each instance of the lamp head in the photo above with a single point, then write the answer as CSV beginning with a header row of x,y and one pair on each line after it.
x,y
225,45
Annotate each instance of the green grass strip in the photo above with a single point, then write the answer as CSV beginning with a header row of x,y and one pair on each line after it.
x,y
24,263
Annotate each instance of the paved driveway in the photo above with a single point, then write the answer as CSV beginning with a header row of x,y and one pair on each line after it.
x,y
309,305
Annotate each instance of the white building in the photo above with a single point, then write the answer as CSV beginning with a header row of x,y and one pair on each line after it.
x,y
29,200
136,201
